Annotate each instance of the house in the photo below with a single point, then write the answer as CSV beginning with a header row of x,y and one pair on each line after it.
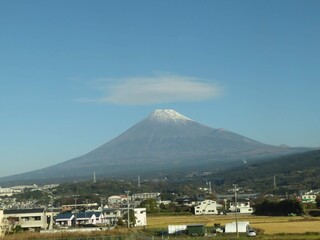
x,y
72,207
4,227
206,207
242,207
86,217
72,219
100,218
117,200
65,219
189,201
6,192
28,219
111,215
141,217
145,196
243,227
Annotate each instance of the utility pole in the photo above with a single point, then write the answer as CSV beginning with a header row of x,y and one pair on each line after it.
x,y
75,203
236,208
274,182
128,204
75,210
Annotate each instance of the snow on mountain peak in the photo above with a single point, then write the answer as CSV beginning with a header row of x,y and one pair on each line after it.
x,y
168,115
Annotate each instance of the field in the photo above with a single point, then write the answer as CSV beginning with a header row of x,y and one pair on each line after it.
x,y
267,225
276,228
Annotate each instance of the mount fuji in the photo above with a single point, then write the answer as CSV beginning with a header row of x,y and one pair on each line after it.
x,y
164,140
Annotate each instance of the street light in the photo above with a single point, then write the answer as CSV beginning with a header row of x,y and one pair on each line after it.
x,y
236,208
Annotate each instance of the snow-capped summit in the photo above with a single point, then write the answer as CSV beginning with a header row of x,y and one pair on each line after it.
x,y
168,115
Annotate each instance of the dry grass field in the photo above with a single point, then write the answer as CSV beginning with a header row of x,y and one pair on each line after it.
x,y
276,228
270,225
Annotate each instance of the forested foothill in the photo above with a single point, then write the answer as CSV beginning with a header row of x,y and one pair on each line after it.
x,y
282,178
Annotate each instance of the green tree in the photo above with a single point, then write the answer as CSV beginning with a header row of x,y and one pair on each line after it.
x,y
318,200
151,205
276,208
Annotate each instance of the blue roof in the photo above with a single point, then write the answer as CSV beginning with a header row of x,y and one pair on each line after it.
x,y
64,216
85,214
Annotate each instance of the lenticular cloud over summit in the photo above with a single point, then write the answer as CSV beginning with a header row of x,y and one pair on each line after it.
x,y
162,88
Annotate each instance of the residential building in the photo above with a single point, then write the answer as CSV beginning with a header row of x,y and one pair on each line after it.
x,y
111,215
86,217
117,200
189,201
4,227
144,196
242,207
206,207
65,219
28,219
141,217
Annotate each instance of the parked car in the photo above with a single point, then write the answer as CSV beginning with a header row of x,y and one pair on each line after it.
x,y
251,233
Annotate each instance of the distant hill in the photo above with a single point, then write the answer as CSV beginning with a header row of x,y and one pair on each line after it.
x,y
164,140
289,173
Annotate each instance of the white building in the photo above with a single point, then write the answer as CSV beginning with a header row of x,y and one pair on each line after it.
x,y
206,207
141,217
144,196
3,224
27,218
113,214
65,219
89,217
242,207
6,192
117,199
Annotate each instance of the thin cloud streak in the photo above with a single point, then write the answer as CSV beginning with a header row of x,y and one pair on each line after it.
x,y
164,88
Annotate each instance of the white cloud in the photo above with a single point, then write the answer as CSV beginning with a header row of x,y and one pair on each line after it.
x,y
163,88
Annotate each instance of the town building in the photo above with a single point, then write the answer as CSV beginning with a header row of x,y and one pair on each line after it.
x,y
117,200
27,219
140,216
65,219
242,207
206,207
144,196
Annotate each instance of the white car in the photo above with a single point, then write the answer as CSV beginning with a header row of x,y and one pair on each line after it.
x,y
251,233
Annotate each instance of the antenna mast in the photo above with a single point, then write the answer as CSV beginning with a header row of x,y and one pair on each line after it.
x,y
139,184
94,177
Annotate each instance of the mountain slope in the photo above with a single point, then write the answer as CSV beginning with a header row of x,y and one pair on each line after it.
x,y
291,173
165,139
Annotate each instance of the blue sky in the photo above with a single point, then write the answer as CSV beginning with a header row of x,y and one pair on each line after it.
x,y
75,74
